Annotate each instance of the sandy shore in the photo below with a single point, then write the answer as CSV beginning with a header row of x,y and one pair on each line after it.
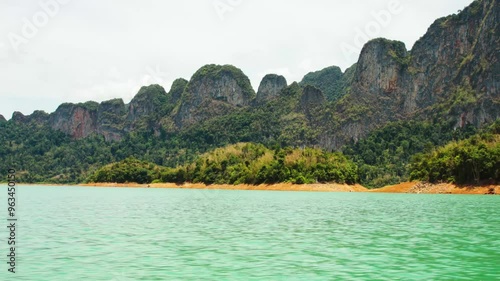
x,y
272,187
408,187
443,188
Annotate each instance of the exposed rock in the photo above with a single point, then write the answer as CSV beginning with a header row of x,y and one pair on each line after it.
x,y
311,97
110,119
455,58
177,89
376,97
269,88
213,90
148,101
223,83
379,68
76,120
453,65
166,119
452,74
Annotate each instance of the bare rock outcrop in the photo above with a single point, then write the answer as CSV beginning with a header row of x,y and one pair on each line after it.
x,y
269,88
214,90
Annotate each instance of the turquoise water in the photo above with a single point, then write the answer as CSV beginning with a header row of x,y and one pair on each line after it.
x,y
76,233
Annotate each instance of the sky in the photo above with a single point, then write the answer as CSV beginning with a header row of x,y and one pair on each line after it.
x,y
55,51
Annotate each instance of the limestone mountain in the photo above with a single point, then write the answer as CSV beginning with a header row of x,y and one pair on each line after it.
x,y
269,88
111,119
213,90
77,120
449,79
111,116
177,89
329,80
452,72
311,98
144,110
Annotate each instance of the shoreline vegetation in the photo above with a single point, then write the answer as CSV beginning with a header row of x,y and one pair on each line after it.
x,y
469,166
407,187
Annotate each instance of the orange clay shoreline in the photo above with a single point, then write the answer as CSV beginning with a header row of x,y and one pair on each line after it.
x,y
264,187
408,187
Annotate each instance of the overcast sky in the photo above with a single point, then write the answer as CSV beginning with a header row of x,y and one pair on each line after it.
x,y
55,51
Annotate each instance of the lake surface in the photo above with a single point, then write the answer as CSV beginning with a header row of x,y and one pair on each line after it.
x,y
77,233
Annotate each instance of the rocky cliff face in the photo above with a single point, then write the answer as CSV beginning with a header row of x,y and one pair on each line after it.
x,y
213,90
456,59
451,72
269,88
84,119
177,89
113,118
146,107
110,119
477,49
311,97
76,120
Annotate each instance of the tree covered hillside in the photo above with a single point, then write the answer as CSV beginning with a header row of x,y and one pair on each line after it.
x,y
240,163
471,161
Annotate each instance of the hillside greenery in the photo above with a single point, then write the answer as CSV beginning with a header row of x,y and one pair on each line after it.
x,y
383,157
42,155
255,164
236,164
471,161
214,72
331,81
128,170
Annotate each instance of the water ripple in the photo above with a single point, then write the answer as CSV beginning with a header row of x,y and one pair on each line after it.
x,y
75,233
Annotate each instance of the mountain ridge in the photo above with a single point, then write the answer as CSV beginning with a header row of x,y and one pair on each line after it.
x,y
388,83
392,104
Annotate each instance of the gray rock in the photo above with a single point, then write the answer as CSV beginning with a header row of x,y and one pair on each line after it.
x,y
269,88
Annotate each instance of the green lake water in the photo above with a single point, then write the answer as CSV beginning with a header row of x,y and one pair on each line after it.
x,y
76,233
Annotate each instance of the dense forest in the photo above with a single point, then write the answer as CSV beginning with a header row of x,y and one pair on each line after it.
x,y
432,103
256,164
240,163
382,158
472,161
42,154
128,170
